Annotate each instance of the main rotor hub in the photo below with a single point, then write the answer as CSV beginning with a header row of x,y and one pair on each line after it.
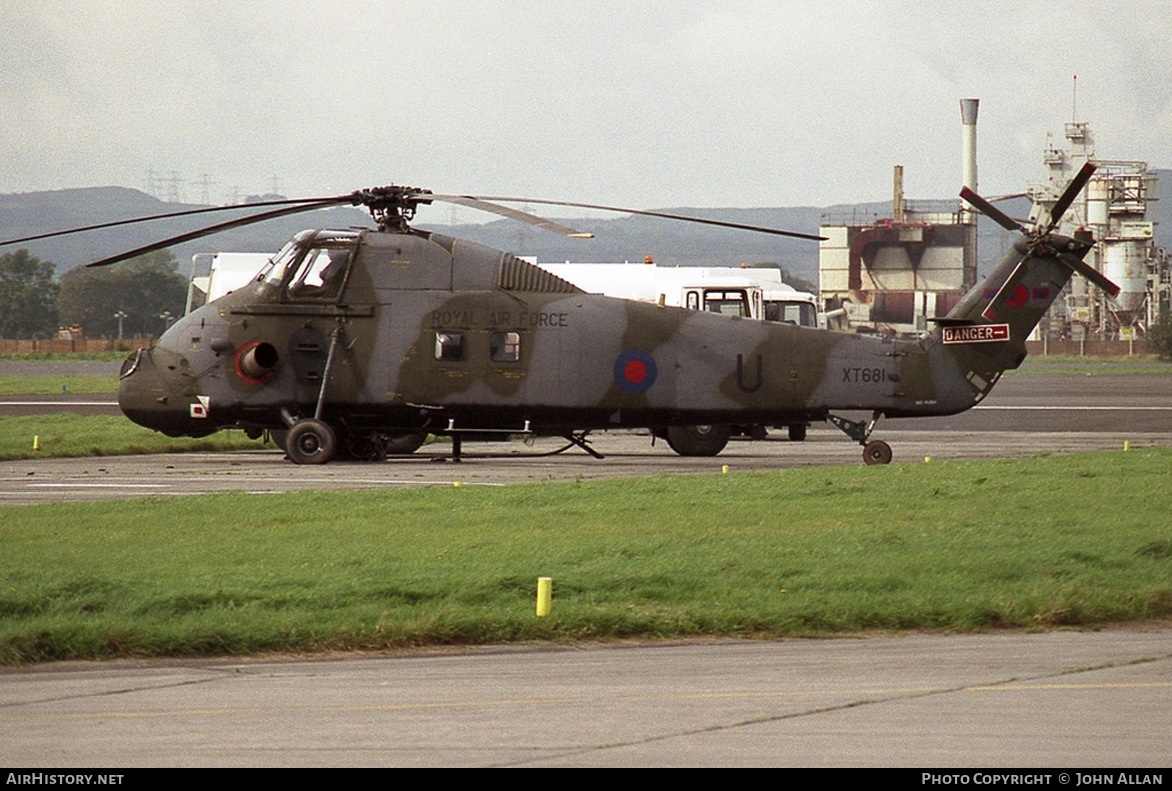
x,y
393,206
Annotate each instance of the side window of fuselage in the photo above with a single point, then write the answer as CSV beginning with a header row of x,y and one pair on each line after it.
x,y
449,346
452,346
504,347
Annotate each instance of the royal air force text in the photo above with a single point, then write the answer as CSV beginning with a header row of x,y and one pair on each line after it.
x,y
498,318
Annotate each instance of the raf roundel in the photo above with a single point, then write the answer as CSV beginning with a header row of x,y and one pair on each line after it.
x,y
1019,297
635,371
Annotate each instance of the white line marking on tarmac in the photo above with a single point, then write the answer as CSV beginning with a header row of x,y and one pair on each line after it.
x,y
98,485
1078,408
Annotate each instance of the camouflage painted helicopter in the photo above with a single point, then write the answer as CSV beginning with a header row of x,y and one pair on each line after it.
x,y
357,344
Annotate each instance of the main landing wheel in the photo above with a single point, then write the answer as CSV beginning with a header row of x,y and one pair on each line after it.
x,y
360,446
376,446
697,440
310,441
280,437
402,444
877,452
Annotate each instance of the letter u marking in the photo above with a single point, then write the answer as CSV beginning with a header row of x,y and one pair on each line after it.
x,y
753,388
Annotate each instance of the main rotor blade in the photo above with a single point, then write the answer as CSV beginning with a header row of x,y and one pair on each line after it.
x,y
647,213
989,210
166,216
239,222
512,214
1070,193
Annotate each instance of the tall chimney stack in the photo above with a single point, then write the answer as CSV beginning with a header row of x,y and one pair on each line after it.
x,y
897,197
968,120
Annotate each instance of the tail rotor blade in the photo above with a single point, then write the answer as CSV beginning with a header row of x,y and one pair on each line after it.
x,y
989,210
1090,273
1069,194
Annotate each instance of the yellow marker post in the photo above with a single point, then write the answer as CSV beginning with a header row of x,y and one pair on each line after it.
x,y
544,596
724,469
1126,445
36,442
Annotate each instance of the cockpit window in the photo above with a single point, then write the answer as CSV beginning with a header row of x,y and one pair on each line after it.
x,y
312,266
321,273
274,272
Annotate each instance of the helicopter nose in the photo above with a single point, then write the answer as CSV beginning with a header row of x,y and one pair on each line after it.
x,y
150,394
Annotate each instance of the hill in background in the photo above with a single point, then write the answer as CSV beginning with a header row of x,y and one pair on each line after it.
x,y
623,238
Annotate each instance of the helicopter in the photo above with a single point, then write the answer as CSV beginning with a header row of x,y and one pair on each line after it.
x,y
357,344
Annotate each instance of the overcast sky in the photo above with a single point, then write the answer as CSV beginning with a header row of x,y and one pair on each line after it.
x,y
628,102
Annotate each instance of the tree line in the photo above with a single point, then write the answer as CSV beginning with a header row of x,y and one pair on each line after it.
x,y
133,299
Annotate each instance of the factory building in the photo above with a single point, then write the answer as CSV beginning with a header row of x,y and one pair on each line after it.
x,y
894,275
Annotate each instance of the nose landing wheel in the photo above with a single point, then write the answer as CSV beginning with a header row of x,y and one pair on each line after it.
x,y
310,441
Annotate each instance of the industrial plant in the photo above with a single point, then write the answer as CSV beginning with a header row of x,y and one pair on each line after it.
x,y
894,275
1117,208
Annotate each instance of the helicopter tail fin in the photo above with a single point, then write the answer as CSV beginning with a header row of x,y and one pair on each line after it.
x,y
998,315
988,328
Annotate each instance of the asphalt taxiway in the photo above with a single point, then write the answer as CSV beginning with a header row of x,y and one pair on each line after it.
x,y
1025,415
267,472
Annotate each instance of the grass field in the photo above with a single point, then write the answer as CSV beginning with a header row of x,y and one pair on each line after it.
x,y
117,355
1033,543
48,385
1065,364
63,435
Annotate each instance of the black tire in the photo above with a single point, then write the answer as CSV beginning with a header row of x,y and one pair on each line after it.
x,y
279,437
310,442
697,440
403,444
877,452
797,432
360,446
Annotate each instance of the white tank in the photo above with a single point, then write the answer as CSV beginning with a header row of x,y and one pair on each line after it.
x,y
1125,262
1098,195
